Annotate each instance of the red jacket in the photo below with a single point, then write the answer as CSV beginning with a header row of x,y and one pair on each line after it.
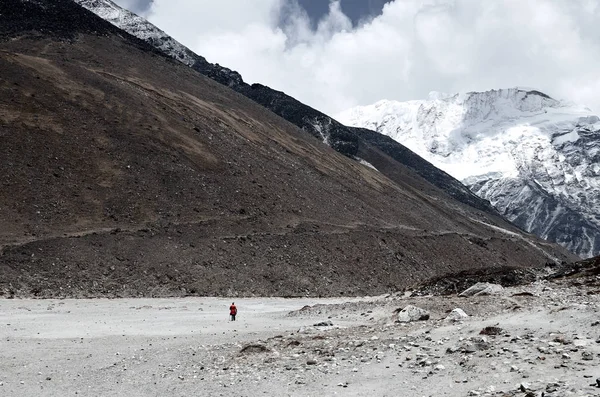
x,y
232,310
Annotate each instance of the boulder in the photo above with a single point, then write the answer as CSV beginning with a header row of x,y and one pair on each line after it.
x,y
482,289
411,313
327,323
474,344
457,315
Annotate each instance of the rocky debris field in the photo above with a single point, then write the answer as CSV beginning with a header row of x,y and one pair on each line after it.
x,y
537,339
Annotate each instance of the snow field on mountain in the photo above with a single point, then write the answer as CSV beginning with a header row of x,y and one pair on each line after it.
x,y
509,137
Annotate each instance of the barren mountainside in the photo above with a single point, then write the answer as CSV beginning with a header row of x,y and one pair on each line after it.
x,y
356,143
127,173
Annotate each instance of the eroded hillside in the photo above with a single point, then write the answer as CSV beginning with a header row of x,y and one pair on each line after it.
x,y
125,173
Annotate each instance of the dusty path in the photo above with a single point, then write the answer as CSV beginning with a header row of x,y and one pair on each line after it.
x,y
59,347
97,318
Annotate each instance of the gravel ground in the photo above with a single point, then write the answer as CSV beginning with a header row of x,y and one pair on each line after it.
x,y
538,339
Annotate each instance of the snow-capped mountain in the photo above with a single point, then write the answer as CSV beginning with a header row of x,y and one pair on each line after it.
x,y
536,159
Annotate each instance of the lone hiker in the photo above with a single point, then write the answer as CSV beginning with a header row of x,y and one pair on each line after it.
x,y
232,311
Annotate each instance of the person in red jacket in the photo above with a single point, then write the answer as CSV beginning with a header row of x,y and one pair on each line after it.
x,y
232,311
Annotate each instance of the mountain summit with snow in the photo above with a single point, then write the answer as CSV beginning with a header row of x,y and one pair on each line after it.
x,y
536,159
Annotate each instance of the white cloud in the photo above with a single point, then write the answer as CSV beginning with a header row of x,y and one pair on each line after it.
x,y
414,47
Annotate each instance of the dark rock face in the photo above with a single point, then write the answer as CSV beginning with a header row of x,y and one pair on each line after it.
x,y
532,208
60,17
125,173
319,125
425,169
555,208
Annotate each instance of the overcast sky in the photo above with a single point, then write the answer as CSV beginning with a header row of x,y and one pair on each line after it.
x,y
335,55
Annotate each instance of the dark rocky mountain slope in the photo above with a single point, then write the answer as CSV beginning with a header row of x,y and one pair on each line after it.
x,y
126,173
356,143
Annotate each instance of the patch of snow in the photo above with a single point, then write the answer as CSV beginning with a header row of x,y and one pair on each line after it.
x,y
323,130
363,162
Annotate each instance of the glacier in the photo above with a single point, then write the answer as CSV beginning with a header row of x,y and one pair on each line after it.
x,y
535,158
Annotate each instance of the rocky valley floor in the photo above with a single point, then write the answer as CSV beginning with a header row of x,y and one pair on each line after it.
x,y
539,339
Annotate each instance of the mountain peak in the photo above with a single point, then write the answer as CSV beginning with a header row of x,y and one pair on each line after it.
x,y
478,106
467,108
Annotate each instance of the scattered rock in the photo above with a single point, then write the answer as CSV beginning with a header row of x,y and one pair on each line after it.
x,y
524,387
562,340
552,387
519,359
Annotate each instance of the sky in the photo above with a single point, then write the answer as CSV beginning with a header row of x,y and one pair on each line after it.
x,y
339,54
